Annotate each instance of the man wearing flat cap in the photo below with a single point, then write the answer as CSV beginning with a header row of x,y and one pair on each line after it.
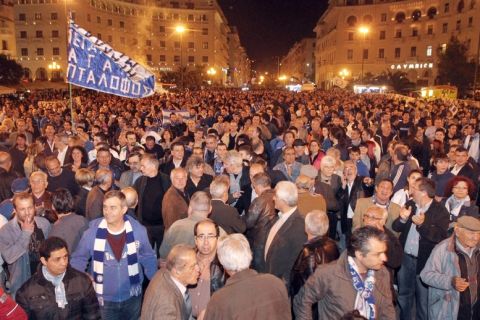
x,y
452,273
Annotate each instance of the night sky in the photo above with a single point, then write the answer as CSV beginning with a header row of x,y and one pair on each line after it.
x,y
268,28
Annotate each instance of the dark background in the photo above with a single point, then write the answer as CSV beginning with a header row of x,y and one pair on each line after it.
x,y
269,28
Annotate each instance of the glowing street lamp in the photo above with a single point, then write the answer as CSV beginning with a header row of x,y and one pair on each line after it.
x,y
180,29
211,71
282,77
344,73
363,30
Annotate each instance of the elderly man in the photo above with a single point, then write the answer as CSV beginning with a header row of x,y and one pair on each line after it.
x,y
167,296
120,255
182,230
175,201
260,217
43,198
20,240
381,198
151,188
212,275
356,281
256,296
307,200
452,274
287,236
57,289
59,177
106,161
94,204
422,224
239,180
224,215
319,249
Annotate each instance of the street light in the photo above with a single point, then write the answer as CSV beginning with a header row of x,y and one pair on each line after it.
x,y
180,29
211,71
344,73
364,30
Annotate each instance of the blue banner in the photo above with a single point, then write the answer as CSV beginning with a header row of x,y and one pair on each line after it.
x,y
95,65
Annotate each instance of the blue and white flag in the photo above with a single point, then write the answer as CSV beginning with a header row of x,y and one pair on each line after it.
x,y
95,65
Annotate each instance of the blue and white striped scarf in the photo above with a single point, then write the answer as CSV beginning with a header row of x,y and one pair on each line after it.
x,y
99,256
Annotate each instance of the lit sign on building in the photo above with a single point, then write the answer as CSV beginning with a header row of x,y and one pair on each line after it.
x,y
406,66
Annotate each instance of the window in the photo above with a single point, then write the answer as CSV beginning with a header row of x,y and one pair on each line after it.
x,y
176,44
446,8
190,5
432,12
350,36
191,45
110,39
205,59
89,18
204,31
54,16
148,43
382,35
398,34
460,6
109,22
349,54
430,29
99,20
99,36
39,51
162,29
39,34
352,21
162,44
55,34
176,59
470,21
429,51
38,16
416,15
22,17
383,17
4,45
205,45
457,25
413,51
23,34
24,52
445,27
414,32
174,4
397,52
149,58
162,58
381,53
400,17
190,17
56,51
121,24
443,47
365,54
191,59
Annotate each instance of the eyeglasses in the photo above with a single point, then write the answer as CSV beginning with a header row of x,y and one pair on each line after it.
x,y
204,237
460,188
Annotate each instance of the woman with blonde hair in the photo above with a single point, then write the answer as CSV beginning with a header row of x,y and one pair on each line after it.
x,y
30,165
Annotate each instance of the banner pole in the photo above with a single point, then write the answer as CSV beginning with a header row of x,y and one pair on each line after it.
x,y
68,17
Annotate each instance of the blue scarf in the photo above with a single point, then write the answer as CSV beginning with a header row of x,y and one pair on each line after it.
x,y
99,256
365,301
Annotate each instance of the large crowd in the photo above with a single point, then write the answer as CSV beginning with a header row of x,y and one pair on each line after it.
x,y
228,204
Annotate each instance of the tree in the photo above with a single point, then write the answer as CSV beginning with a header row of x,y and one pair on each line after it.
x,y
10,71
398,80
192,78
454,67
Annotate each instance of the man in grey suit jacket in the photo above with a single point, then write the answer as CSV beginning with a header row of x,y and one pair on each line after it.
x,y
167,296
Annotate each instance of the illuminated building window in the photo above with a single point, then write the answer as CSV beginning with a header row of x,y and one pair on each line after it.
x,y
429,51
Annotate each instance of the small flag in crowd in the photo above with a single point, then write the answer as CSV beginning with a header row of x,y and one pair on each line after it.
x,y
93,64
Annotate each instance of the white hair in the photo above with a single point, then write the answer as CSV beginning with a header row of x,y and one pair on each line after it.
x,y
316,223
288,192
219,187
234,252
234,158
327,160
41,174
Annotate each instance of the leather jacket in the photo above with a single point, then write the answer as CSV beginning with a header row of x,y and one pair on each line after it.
x,y
218,276
316,251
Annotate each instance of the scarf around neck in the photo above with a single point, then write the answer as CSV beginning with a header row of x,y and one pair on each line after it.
x,y
57,281
453,206
99,256
365,301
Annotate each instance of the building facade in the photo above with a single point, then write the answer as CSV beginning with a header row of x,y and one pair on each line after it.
x,y
7,29
299,63
146,30
356,37
239,63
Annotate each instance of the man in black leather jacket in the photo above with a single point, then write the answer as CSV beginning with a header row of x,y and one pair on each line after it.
x,y
212,276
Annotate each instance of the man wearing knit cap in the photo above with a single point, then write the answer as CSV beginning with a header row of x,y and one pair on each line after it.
x,y
452,273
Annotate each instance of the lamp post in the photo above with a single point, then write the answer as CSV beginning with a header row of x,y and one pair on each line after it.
x,y
477,62
180,29
364,31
